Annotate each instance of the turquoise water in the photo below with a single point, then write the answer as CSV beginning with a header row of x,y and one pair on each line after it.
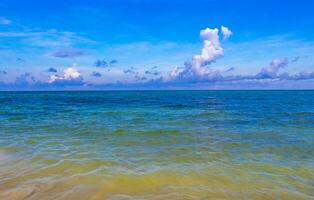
x,y
157,145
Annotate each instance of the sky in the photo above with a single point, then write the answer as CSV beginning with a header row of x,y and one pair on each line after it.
x,y
160,44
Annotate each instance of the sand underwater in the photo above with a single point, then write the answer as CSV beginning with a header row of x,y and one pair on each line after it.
x,y
157,145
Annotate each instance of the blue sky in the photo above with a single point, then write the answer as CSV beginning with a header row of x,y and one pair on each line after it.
x,y
145,44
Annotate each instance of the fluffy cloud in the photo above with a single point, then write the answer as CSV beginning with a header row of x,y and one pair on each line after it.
x,y
198,69
211,48
272,70
68,53
174,73
225,32
69,74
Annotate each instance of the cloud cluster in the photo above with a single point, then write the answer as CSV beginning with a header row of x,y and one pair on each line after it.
x,y
69,79
153,71
199,71
272,70
267,74
137,75
131,70
104,63
196,72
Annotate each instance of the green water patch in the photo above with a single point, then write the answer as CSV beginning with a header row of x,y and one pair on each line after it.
x,y
182,122
162,132
41,158
10,149
288,151
138,119
119,132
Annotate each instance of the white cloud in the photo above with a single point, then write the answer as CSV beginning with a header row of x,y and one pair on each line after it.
x,y
198,68
71,73
174,73
271,71
211,48
53,78
68,74
226,32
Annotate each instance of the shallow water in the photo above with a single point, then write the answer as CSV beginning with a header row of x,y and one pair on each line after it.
x,y
157,145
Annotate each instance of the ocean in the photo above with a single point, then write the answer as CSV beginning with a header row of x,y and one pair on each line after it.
x,y
157,145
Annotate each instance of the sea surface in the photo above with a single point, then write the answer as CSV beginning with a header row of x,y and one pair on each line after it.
x,y
157,145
